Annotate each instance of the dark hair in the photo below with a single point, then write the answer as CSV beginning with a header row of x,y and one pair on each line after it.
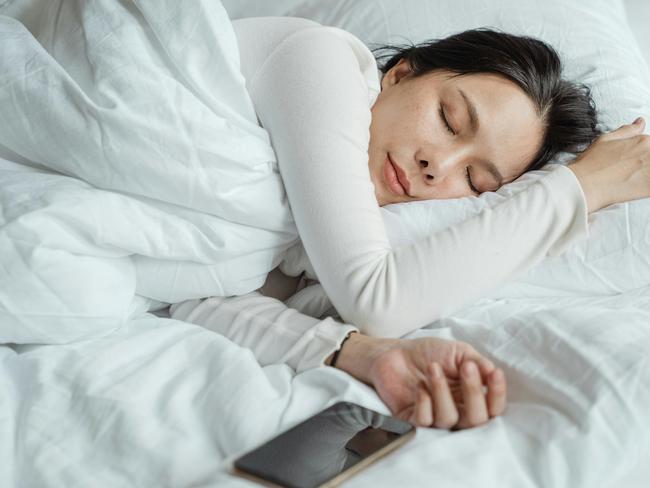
x,y
566,109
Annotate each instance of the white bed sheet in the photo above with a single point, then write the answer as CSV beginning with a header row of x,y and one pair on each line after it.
x,y
164,403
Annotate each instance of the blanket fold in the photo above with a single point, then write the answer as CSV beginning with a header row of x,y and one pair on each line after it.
x,y
135,164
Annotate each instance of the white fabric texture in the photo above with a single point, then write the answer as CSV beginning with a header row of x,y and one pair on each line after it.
x,y
158,402
181,196
166,403
638,13
593,38
275,332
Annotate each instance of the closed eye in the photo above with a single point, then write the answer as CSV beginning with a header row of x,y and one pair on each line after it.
x,y
469,182
441,111
443,117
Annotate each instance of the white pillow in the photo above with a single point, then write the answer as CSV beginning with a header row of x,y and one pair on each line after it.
x,y
638,15
615,258
597,48
593,38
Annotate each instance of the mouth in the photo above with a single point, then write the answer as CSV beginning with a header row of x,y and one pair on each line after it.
x,y
396,178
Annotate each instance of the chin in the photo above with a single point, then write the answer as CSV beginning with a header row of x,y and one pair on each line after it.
x,y
390,199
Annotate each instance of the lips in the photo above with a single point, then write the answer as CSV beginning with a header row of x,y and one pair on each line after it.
x,y
401,175
396,178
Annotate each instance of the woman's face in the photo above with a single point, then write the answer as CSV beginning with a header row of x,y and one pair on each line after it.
x,y
430,133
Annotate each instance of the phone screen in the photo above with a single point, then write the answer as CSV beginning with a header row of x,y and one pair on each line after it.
x,y
339,440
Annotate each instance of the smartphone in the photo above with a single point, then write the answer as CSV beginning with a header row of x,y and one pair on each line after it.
x,y
325,449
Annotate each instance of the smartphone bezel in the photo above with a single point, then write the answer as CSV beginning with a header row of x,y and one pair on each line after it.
x,y
343,475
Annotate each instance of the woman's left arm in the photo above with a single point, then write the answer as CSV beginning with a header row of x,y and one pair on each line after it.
x,y
274,332
419,380
427,381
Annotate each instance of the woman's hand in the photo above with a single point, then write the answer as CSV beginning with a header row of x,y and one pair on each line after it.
x,y
429,382
616,167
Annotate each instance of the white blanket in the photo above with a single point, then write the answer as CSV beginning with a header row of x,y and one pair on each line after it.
x,y
163,403
142,100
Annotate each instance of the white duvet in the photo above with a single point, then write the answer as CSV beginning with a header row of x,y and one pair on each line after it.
x,y
97,392
164,403
173,189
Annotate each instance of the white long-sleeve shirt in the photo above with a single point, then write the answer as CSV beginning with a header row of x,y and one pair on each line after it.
x,y
312,87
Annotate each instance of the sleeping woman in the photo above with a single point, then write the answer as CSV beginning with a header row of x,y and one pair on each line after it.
x,y
447,119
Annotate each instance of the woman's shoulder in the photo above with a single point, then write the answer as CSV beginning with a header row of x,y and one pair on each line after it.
x,y
268,32
258,38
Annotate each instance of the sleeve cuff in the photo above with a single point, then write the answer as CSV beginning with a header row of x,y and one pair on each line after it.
x,y
571,207
327,338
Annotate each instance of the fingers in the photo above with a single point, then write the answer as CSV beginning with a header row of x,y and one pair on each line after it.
x,y
496,395
486,367
479,406
446,414
640,122
435,406
458,396
422,414
627,130
475,411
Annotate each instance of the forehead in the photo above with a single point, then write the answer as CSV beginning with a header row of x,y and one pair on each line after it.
x,y
510,128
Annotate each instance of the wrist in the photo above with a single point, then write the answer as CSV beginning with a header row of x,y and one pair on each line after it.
x,y
358,354
590,188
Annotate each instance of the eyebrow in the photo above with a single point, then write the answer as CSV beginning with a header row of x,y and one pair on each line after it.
x,y
474,123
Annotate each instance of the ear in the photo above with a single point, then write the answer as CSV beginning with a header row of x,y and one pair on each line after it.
x,y
394,75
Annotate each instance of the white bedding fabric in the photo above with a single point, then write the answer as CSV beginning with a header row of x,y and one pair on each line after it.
x,y
138,400
161,117
593,38
638,15
164,403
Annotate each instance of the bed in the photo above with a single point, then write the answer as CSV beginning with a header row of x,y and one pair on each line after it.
x,y
100,391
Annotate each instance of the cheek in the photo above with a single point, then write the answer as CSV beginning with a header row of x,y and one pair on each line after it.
x,y
424,123
404,123
385,116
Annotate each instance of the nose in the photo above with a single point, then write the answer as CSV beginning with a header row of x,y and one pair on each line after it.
x,y
434,172
436,169
426,171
